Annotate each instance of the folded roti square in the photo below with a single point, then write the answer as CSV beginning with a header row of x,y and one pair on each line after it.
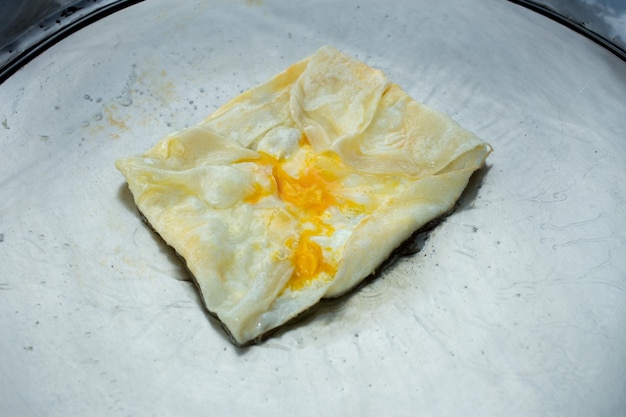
x,y
298,189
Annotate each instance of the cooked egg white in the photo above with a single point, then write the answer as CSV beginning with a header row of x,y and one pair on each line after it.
x,y
299,188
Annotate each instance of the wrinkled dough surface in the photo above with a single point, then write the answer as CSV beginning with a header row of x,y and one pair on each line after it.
x,y
300,187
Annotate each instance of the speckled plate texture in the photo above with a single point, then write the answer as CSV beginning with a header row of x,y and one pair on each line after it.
x,y
515,305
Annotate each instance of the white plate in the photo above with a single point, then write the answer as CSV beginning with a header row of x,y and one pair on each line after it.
x,y
516,305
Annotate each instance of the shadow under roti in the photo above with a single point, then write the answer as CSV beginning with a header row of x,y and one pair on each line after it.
x,y
327,309
126,197
470,194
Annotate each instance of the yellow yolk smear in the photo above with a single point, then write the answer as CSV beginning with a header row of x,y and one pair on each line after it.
x,y
309,261
307,196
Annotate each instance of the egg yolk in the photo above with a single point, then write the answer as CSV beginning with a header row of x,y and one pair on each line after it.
x,y
308,196
309,261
